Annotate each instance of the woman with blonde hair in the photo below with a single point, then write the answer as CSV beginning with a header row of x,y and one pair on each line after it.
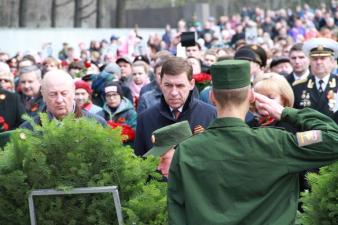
x,y
275,87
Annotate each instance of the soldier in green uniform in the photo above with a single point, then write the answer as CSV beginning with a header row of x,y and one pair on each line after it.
x,y
235,175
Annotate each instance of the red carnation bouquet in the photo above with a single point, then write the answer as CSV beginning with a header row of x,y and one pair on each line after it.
x,y
3,125
128,133
202,80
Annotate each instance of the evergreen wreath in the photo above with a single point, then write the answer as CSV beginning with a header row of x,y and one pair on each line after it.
x,y
321,204
77,152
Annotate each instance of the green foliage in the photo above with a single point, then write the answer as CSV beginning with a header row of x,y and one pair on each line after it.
x,y
77,153
321,204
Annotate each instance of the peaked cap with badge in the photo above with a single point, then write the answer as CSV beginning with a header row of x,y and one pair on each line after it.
x,y
321,47
254,53
167,137
259,51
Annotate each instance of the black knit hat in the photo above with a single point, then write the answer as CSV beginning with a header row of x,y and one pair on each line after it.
x,y
113,86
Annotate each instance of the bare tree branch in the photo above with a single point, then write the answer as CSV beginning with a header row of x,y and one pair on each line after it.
x,y
87,5
99,13
88,15
63,3
120,13
22,11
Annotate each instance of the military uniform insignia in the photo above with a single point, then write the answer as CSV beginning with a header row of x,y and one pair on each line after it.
x,y
198,129
153,139
310,84
300,81
2,97
332,83
320,48
309,137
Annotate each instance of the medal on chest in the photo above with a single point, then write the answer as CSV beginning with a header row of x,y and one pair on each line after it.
x,y
305,99
332,83
332,101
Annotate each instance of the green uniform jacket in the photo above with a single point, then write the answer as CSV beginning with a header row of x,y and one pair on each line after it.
x,y
235,175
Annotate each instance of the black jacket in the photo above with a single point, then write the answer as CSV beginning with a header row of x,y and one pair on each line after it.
x,y
11,109
290,78
159,115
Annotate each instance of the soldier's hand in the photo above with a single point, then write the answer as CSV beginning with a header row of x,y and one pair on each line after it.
x,y
268,107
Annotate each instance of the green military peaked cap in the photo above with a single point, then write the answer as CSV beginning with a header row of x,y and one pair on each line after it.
x,y
167,137
230,74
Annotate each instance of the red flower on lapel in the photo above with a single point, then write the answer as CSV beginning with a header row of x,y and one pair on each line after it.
x,y
3,124
35,107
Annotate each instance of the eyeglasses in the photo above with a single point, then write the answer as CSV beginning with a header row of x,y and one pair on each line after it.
x,y
4,80
112,95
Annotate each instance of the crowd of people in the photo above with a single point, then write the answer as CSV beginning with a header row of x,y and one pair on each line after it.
x,y
145,86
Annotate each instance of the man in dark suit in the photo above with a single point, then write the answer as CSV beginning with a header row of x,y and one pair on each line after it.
x,y
299,62
319,91
11,110
176,104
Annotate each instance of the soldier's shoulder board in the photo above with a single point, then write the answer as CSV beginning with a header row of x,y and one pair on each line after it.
x,y
309,137
300,81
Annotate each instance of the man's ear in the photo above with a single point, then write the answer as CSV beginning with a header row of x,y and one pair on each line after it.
x,y
212,97
251,95
192,83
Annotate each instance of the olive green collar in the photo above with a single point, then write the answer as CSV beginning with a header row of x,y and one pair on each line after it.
x,y
227,122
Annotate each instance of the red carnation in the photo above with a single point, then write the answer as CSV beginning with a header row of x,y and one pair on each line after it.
x,y
35,107
87,64
64,64
3,124
5,127
127,131
202,80
121,120
202,77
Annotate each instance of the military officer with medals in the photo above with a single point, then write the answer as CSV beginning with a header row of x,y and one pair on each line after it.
x,y
319,90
